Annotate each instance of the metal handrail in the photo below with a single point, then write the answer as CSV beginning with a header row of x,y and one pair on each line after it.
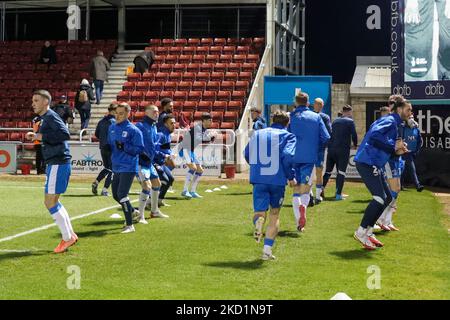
x,y
90,130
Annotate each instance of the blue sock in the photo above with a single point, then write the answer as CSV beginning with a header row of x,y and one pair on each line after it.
x,y
269,242
255,218
394,194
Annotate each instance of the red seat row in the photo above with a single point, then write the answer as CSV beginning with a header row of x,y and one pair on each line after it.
x,y
192,76
205,41
182,96
186,85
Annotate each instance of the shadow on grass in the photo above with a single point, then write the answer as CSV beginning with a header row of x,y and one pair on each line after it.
x,y
360,201
242,265
238,193
288,234
79,195
13,255
96,233
108,222
355,211
353,254
287,205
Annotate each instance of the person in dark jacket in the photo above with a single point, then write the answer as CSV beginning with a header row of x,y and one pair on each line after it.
x,y
143,61
342,134
83,100
411,135
48,54
63,109
258,121
54,136
101,132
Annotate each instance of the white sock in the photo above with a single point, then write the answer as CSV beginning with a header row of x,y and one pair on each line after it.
x,y
361,231
305,199
188,179
318,191
296,203
382,218
267,249
67,219
390,210
143,198
104,190
154,199
195,182
60,220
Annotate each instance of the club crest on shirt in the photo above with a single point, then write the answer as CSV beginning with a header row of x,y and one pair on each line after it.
x,y
124,134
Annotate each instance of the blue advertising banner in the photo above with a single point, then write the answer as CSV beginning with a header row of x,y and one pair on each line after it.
x,y
420,49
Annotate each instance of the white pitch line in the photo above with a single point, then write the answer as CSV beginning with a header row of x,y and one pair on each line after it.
x,y
54,225
17,251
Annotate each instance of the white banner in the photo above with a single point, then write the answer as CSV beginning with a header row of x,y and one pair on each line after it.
x,y
86,159
210,157
8,157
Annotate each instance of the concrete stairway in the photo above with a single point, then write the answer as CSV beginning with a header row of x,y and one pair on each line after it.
x,y
117,77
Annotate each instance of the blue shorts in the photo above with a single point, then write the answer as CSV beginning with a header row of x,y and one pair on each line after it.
x,y
189,156
303,172
393,169
320,159
145,173
265,195
57,179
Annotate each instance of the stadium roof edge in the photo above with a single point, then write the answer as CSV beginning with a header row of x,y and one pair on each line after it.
x,y
372,76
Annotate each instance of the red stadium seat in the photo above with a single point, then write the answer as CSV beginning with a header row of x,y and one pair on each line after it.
x,y
167,42
198,58
215,50
129,86
230,116
176,51
166,67
240,58
206,67
227,85
160,59
203,76
175,76
161,76
189,76
215,125
252,58
229,50
213,85
190,51
223,96
238,95
220,67
185,85
217,76
195,96
209,95
178,106
143,104
220,41
190,106
217,115
198,116
123,96
180,95
204,106
165,94
155,42
188,115
242,50
202,50
134,77
225,58
231,76
170,58
193,42
170,86
152,96
242,86
207,41
234,67
180,42
220,106
245,76
248,67
198,85
228,125
184,59
137,96
235,106
134,105
138,116
156,85
148,76
142,86
232,41
212,58
3,136
179,67
193,67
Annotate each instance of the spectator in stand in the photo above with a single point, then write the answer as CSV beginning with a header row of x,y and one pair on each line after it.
x,y
258,121
83,100
143,61
40,164
99,72
62,108
48,54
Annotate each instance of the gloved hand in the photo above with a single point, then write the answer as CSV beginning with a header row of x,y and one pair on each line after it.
x,y
119,145
144,157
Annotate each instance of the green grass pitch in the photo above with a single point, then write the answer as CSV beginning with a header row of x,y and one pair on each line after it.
x,y
205,250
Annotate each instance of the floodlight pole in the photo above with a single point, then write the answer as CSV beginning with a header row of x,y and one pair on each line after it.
x,y
88,19
3,18
121,25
